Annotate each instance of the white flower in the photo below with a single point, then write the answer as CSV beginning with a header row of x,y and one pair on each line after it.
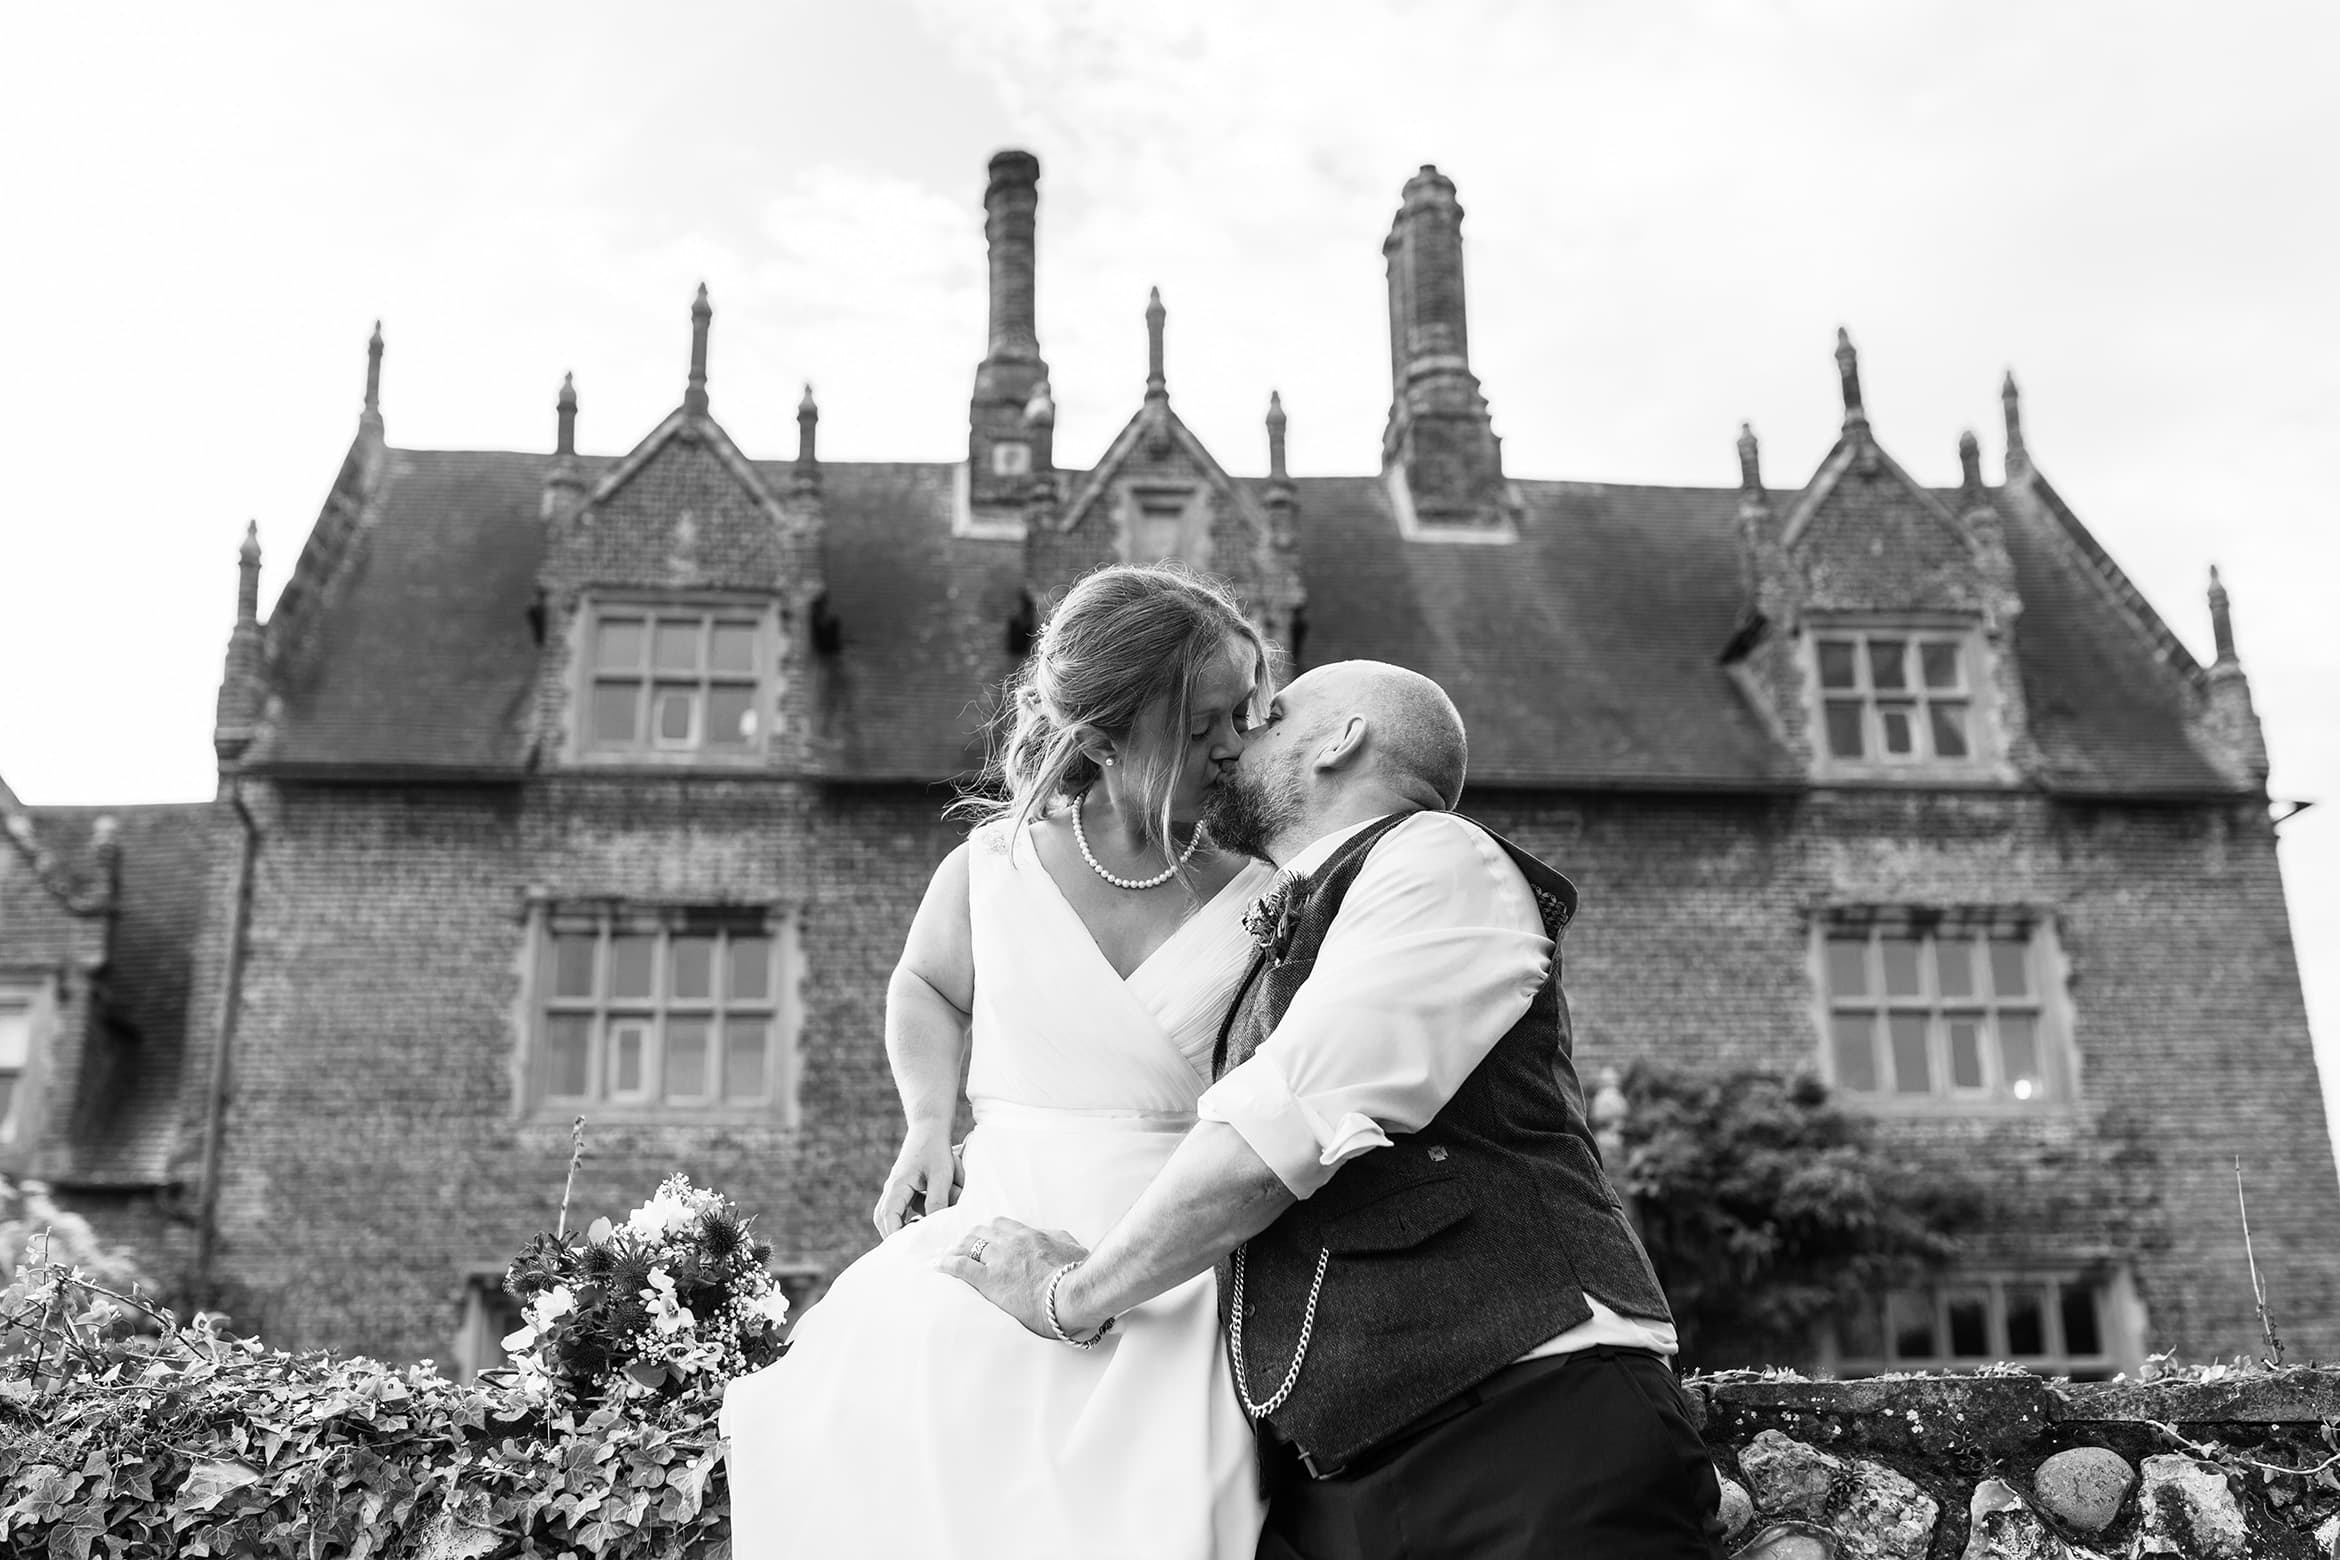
x,y
668,1316
665,1214
551,1306
520,1342
772,1306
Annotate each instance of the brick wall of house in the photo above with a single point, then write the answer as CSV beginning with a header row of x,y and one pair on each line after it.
x,y
374,1155
1693,946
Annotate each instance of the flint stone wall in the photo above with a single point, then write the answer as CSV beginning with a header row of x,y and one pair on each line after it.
x,y
2239,1466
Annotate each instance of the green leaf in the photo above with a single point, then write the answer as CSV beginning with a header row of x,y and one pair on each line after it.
x,y
212,1480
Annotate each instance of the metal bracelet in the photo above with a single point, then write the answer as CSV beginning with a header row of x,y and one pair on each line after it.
x,y
1048,1300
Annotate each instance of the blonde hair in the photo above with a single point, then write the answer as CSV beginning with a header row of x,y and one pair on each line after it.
x,y
1121,653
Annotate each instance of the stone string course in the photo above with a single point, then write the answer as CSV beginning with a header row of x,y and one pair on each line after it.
x,y
2227,1465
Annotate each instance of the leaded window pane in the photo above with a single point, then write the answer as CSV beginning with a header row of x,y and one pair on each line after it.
x,y
632,966
2010,972
1848,967
677,645
1844,728
573,964
1901,966
617,714
627,1044
1954,963
734,648
1896,729
1970,1325
1966,1056
674,713
1910,1321
693,970
2026,1321
1856,1052
618,645
2019,1056
751,969
1885,664
2081,1334
730,716
746,1046
686,1058
1837,666
1949,723
1911,1072
568,1056
1939,660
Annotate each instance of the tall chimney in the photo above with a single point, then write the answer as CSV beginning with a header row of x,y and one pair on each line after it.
x,y
1440,440
1006,449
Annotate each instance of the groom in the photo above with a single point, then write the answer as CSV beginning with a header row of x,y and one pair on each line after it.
x,y
1446,1333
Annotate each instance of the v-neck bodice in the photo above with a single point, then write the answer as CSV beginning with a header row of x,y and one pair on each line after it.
x,y
1057,1028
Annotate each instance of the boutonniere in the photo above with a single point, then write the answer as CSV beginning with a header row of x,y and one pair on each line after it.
x,y
1275,915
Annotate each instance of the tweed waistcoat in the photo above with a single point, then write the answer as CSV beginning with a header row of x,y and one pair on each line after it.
x,y
1449,1253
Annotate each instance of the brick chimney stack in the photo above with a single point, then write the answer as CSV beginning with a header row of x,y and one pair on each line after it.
x,y
1440,439
1006,448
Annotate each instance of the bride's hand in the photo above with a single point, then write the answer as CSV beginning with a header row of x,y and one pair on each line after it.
x,y
928,1166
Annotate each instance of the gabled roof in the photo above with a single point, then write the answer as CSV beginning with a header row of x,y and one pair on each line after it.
x,y
1154,420
1587,653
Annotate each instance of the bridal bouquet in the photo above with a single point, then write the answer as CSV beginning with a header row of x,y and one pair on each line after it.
x,y
675,1298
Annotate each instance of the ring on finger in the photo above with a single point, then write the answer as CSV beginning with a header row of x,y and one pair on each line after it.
x,y
975,1252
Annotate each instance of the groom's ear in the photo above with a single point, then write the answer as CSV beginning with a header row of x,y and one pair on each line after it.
x,y
1342,746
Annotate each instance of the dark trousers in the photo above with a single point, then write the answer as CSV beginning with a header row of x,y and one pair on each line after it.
x,y
1585,1456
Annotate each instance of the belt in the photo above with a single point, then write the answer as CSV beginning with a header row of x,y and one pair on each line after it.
x,y
1516,1374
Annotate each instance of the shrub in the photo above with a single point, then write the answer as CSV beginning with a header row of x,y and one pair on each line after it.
x,y
185,1443
1767,1210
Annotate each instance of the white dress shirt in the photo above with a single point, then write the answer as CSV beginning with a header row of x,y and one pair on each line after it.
x,y
1437,951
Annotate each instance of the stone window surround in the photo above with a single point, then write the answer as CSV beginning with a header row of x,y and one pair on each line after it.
x,y
31,993
1985,746
2118,1314
783,1058
584,674
2049,972
1139,504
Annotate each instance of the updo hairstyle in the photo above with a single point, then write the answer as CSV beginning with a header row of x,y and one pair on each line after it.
x,y
1122,653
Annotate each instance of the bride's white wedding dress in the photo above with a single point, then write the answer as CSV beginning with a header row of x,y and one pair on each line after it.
x,y
912,1418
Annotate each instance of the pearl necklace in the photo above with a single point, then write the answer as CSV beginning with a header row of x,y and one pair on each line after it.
x,y
1081,838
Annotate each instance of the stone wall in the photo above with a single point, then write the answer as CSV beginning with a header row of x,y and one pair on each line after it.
x,y
2222,1465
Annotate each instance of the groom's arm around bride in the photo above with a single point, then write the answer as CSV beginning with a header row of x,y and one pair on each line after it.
x,y
1439,1319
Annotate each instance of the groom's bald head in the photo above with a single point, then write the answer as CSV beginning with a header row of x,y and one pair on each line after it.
x,y
1413,734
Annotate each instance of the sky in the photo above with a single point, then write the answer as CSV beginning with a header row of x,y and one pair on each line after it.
x,y
1671,209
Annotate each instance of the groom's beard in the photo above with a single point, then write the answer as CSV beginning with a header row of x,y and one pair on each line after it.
x,y
1244,814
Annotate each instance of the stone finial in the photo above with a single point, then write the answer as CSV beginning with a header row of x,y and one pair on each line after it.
x,y
1157,386
565,412
1275,433
702,312
1750,462
2221,621
1040,410
371,417
808,421
1848,371
2011,402
1970,477
248,576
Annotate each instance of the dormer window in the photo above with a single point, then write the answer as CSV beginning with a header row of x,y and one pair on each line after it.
x,y
678,681
1896,697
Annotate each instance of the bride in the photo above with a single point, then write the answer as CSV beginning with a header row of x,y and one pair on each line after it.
x,y
1087,940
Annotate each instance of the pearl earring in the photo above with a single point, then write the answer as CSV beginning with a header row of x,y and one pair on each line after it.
x,y
1109,761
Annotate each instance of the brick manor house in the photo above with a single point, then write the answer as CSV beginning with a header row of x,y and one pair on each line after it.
x,y
562,785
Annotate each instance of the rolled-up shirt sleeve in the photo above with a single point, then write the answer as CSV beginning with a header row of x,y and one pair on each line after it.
x,y
1436,952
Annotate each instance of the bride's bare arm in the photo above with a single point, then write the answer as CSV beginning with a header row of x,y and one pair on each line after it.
x,y
927,1005
1214,1194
